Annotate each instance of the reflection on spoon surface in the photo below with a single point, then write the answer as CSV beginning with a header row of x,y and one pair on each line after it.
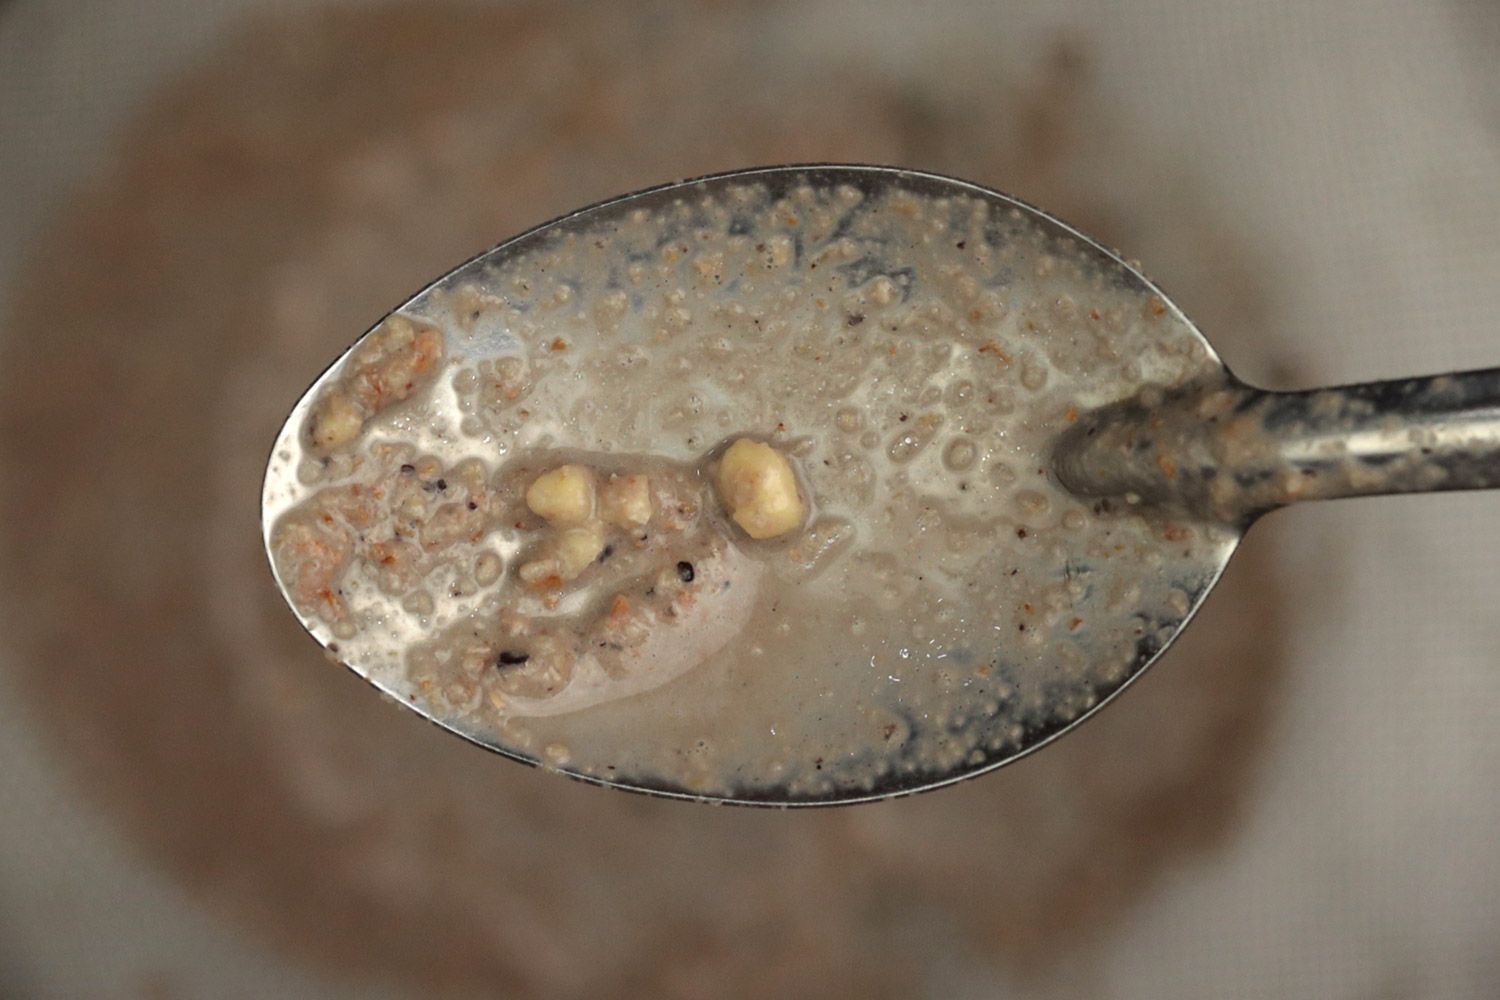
x,y
910,346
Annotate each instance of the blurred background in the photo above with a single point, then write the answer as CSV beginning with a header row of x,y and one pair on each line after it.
x,y
202,202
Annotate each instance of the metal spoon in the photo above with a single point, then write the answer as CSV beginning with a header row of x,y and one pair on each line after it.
x,y
1213,452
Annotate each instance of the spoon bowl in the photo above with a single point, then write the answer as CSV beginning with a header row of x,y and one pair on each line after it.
x,y
1164,455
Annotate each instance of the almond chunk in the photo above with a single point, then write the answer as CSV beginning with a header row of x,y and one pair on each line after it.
x,y
625,501
563,497
756,484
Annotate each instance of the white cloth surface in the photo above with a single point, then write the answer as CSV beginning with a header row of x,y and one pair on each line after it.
x,y
1360,138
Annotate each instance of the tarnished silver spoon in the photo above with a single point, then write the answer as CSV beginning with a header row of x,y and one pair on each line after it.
x,y
1167,459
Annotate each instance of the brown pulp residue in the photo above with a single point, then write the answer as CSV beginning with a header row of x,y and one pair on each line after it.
x,y
264,210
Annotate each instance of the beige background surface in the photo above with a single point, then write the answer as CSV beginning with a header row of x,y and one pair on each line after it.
x,y
1356,148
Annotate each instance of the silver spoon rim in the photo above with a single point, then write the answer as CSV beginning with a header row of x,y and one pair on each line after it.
x,y
950,184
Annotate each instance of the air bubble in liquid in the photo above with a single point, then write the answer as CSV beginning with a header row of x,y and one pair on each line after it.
x,y
1033,377
959,455
960,392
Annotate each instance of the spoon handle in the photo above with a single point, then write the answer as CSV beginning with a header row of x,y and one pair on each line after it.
x,y
1233,452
